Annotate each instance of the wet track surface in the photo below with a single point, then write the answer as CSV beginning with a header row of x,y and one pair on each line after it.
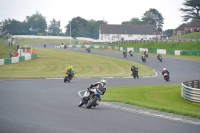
x,y
49,105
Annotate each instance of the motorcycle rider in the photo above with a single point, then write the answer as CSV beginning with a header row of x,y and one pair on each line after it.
x,y
124,53
165,71
71,71
100,86
130,52
88,48
143,56
134,69
158,56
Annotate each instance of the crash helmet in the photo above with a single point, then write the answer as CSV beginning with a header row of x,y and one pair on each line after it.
x,y
103,81
164,69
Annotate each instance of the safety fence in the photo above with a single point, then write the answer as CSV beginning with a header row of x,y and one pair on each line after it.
x,y
190,90
150,50
17,59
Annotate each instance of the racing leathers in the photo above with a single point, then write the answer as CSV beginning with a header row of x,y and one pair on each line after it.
x,y
71,71
165,71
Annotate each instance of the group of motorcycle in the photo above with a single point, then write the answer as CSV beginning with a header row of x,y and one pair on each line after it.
x,y
93,96
125,53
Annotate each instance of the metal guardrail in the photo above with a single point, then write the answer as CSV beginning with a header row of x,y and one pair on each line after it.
x,y
190,90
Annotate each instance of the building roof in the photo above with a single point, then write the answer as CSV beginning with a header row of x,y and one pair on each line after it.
x,y
128,29
195,22
181,27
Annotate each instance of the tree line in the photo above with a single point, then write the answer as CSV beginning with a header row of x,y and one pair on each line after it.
x,y
36,24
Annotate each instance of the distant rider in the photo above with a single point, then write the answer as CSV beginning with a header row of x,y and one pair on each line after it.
x,y
158,56
124,52
165,71
71,71
130,52
143,56
134,69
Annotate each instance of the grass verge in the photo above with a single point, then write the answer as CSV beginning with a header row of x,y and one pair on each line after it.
x,y
187,36
52,63
163,45
163,98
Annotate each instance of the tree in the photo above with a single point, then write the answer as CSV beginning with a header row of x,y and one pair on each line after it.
x,y
54,28
37,23
134,20
191,10
153,17
13,27
81,27
169,32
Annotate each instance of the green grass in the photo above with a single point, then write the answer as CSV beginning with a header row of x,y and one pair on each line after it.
x,y
5,49
164,98
187,36
164,45
32,41
52,63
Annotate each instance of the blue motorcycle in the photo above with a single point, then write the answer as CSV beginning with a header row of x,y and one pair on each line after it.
x,y
90,98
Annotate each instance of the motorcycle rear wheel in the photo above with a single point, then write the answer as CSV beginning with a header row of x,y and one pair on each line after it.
x,y
92,102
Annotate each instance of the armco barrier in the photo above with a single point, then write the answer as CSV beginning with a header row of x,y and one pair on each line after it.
x,y
17,59
190,90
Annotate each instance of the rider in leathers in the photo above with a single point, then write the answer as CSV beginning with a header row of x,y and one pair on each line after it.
x,y
100,86
165,71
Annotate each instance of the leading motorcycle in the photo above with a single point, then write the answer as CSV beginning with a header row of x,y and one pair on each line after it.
x,y
90,98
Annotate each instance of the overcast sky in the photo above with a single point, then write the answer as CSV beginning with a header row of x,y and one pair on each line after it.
x,y
112,11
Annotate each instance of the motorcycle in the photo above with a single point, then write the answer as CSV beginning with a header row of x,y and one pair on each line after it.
x,y
131,53
144,59
166,77
88,50
65,46
146,54
135,74
160,59
67,78
89,98
125,55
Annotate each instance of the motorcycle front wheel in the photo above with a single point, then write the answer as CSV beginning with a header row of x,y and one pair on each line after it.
x,y
81,103
65,79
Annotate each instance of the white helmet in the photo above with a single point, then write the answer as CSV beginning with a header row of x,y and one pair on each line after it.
x,y
103,81
164,69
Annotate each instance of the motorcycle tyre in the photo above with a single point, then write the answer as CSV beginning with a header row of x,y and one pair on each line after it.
x,y
81,103
65,79
92,102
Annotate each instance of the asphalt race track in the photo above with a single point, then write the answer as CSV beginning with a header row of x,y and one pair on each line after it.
x,y
51,106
